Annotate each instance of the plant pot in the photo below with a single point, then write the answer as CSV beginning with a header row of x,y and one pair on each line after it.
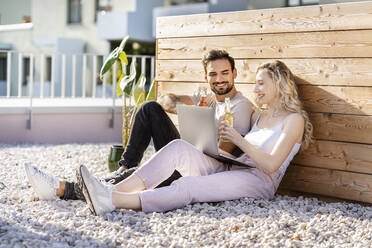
x,y
114,157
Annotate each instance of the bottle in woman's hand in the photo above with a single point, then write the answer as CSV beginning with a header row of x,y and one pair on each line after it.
x,y
228,117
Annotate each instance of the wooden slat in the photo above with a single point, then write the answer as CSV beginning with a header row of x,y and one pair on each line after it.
x,y
338,127
344,100
334,183
311,18
179,88
354,71
325,99
337,155
333,44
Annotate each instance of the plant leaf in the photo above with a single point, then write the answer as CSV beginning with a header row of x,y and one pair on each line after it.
x,y
151,95
114,55
126,83
122,44
139,93
110,60
119,92
123,57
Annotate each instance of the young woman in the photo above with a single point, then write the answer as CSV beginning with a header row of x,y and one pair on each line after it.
x,y
277,134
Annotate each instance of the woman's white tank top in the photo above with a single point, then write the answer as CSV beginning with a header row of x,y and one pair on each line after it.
x,y
265,140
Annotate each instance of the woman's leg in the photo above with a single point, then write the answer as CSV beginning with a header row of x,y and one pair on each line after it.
x,y
126,200
177,155
226,185
180,155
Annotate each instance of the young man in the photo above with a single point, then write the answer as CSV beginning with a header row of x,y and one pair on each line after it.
x,y
152,121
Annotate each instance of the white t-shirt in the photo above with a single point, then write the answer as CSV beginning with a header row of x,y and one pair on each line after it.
x,y
241,109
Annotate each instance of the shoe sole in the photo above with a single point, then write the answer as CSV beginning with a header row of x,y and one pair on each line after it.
x,y
85,191
78,187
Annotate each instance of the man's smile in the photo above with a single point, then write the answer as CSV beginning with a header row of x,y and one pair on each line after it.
x,y
220,84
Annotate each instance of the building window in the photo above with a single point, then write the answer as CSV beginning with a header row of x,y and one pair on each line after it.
x,y
182,2
3,67
48,69
102,6
26,70
293,3
74,11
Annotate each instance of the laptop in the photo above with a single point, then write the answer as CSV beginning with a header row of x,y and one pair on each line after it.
x,y
198,127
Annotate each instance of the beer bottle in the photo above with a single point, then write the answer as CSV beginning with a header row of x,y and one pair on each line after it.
x,y
203,97
228,117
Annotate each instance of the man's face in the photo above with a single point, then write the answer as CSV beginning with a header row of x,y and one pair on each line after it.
x,y
220,76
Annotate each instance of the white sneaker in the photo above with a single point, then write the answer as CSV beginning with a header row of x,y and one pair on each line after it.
x,y
98,194
45,186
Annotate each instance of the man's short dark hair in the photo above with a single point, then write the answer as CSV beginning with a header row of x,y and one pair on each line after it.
x,y
216,54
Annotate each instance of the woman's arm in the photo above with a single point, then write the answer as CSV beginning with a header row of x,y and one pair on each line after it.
x,y
269,162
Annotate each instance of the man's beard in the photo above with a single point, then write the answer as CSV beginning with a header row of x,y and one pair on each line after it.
x,y
227,90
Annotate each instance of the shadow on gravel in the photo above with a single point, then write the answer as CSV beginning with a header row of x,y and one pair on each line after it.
x,y
36,234
306,208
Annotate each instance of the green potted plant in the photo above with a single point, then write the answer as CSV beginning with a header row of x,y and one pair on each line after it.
x,y
133,93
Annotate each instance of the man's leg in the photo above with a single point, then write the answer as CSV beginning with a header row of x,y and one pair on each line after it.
x,y
150,121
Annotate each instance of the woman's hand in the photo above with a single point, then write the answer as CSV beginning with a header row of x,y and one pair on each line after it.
x,y
227,132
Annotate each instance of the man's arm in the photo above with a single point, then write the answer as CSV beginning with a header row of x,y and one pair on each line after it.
x,y
169,102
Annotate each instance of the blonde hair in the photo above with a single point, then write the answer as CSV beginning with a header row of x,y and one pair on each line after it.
x,y
285,84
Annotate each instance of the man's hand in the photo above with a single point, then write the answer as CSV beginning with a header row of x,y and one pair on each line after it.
x,y
169,102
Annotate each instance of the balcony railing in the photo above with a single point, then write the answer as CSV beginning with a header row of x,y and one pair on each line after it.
x,y
62,75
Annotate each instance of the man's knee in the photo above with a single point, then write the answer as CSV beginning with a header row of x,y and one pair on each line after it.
x,y
151,106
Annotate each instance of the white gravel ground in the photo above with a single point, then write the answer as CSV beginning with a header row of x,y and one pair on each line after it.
x,y
281,222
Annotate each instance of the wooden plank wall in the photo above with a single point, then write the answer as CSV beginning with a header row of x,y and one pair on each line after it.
x,y
329,47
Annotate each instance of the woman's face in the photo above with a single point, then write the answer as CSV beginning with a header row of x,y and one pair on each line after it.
x,y
265,88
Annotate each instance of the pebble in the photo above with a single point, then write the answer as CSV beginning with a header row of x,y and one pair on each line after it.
x,y
283,221
15,197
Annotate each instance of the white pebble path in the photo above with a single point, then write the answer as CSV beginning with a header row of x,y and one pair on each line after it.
x,y
281,222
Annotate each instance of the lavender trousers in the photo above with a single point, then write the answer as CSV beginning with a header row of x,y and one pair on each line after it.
x,y
204,179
